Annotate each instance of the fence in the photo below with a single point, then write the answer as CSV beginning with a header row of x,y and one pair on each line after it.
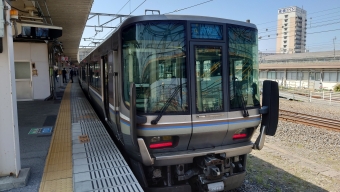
x,y
321,97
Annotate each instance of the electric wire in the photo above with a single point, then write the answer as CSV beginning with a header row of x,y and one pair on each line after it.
x,y
177,10
19,9
293,31
321,44
138,7
112,28
328,46
110,32
306,33
276,27
310,13
272,29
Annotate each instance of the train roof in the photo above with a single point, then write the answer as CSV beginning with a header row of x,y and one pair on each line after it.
x,y
112,39
184,18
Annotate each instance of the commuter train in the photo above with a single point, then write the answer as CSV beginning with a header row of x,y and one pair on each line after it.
x,y
181,94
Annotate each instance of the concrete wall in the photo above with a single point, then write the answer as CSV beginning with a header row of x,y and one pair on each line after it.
x,y
35,53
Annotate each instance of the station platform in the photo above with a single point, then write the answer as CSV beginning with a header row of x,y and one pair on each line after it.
x,y
81,154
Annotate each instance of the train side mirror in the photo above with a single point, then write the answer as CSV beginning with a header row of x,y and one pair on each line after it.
x,y
270,107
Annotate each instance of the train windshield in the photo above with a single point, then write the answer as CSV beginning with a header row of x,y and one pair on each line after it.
x,y
243,67
154,57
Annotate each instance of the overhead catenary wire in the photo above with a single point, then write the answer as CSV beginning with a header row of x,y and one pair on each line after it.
x,y
138,7
18,9
309,17
272,29
293,31
277,27
108,33
309,13
273,50
326,43
177,10
306,33
129,14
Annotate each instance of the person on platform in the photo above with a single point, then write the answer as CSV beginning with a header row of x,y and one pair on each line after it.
x,y
64,75
56,75
71,75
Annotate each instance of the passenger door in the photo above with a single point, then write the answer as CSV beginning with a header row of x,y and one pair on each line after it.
x,y
105,76
208,77
23,80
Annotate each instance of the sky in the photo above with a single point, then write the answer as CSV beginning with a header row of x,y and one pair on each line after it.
x,y
321,29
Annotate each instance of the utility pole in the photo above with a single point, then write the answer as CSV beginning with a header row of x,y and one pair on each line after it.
x,y
334,45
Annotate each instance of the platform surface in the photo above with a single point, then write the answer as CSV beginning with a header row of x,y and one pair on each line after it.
x,y
97,163
79,155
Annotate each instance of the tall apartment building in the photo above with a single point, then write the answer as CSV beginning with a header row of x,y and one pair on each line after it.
x,y
291,30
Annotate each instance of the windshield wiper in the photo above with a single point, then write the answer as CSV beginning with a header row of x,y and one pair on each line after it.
x,y
167,104
239,95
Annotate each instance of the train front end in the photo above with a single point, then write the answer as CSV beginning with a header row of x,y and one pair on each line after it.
x,y
192,91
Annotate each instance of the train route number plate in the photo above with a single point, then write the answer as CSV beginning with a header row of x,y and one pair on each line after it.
x,y
218,186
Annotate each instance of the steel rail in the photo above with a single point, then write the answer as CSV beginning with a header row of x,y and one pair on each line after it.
x,y
310,120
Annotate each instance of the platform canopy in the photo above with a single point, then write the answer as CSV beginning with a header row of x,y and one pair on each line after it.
x,y
71,15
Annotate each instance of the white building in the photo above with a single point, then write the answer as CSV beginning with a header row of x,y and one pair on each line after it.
x,y
291,30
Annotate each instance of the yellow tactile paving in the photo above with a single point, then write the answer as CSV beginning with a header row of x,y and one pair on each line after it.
x,y
60,185
58,167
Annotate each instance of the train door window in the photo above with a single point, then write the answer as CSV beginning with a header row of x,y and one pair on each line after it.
x,y
83,73
242,54
209,94
111,83
97,77
91,72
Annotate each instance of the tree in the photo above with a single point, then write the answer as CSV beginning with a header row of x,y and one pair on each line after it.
x,y
337,87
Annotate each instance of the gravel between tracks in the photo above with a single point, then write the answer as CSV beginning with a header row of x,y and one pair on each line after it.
x,y
298,157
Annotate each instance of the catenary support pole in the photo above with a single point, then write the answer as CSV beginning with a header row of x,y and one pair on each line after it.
x,y
9,133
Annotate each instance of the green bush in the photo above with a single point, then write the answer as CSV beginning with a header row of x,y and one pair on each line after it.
x,y
337,87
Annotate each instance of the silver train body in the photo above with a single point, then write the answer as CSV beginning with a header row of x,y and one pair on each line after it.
x,y
181,95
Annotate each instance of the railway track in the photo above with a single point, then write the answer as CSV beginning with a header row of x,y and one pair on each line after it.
x,y
310,120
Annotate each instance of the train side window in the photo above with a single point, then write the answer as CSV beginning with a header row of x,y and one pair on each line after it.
x,y
243,69
95,76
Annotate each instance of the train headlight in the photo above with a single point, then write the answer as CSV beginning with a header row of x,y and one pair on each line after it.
x,y
155,139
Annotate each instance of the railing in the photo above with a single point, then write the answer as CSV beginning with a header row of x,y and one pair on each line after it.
x,y
300,61
319,97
